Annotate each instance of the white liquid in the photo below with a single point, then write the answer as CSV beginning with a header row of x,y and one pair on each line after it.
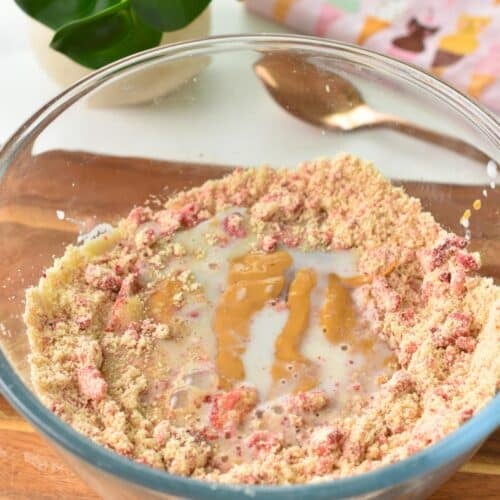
x,y
258,359
338,368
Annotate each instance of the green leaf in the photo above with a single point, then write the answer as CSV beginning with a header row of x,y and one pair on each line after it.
x,y
105,37
169,15
56,13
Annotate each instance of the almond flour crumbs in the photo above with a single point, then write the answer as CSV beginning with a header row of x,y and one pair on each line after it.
x,y
271,327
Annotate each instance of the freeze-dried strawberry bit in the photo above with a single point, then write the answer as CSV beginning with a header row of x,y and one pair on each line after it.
x,y
269,243
307,402
124,263
408,316
435,257
386,297
427,260
118,311
467,344
147,234
230,408
209,433
56,407
456,330
326,440
240,197
400,382
102,278
406,353
91,384
83,320
169,222
443,392
462,322
470,262
189,215
466,415
445,277
233,225
291,240
264,442
139,215
457,281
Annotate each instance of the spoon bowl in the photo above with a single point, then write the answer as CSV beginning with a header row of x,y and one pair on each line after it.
x,y
325,99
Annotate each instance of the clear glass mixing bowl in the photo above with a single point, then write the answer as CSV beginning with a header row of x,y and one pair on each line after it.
x,y
73,165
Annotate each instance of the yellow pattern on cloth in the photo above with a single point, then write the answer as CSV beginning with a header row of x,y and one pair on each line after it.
x,y
371,26
465,39
281,9
456,40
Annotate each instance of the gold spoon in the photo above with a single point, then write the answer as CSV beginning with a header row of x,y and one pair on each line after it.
x,y
322,98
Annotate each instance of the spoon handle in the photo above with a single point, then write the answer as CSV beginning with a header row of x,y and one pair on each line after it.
x,y
446,141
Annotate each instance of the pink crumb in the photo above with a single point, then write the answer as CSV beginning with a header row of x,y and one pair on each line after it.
x,y
325,439
128,288
139,215
264,442
305,402
269,243
387,298
91,383
229,408
233,225
101,278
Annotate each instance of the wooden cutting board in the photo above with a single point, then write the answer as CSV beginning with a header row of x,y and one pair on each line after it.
x,y
29,468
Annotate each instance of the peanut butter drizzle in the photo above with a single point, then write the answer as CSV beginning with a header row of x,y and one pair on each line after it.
x,y
364,279
355,281
337,317
160,304
288,359
253,280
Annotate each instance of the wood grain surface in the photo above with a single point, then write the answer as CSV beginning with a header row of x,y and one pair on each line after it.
x,y
93,187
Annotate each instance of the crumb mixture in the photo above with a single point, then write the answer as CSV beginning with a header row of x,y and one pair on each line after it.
x,y
271,327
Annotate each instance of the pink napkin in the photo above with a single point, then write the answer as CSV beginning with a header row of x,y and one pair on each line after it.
x,y
458,40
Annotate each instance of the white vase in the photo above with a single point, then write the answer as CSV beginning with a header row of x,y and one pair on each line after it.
x,y
148,84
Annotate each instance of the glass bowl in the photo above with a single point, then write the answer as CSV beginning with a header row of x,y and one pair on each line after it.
x,y
74,165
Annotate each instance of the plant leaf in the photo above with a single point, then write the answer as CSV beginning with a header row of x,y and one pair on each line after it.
x,y
56,13
169,15
105,37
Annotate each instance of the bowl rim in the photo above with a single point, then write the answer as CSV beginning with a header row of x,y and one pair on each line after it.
x,y
462,441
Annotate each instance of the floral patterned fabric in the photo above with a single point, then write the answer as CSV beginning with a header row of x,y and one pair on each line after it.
x,y
457,40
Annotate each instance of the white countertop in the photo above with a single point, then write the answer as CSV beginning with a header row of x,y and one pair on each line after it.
x,y
24,87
